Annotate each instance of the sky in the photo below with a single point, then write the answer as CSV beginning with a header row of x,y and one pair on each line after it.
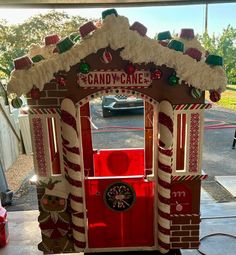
x,y
156,19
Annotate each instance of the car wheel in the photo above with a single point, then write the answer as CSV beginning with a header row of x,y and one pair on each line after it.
x,y
106,113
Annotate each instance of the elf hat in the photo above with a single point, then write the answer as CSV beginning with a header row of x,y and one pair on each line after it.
x,y
59,189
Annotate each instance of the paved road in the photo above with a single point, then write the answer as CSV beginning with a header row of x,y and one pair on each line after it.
x,y
218,156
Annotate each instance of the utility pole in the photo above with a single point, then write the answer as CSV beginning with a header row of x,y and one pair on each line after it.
x,y
206,19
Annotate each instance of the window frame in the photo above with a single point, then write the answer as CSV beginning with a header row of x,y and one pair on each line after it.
x,y
186,170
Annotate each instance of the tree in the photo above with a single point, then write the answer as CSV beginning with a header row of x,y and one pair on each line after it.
x,y
224,45
16,39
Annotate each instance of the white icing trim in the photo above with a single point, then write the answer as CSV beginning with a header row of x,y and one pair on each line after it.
x,y
115,33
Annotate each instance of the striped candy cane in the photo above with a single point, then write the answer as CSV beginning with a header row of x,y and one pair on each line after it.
x,y
164,174
73,173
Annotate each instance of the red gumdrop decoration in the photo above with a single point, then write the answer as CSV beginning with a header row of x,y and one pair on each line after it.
x,y
214,95
35,93
130,69
163,43
156,74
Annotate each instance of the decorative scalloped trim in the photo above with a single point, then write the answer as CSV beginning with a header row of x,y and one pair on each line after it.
x,y
117,91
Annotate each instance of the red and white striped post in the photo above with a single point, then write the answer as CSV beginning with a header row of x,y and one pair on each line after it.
x,y
164,174
73,172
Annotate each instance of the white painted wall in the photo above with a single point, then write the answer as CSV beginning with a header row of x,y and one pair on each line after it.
x,y
9,144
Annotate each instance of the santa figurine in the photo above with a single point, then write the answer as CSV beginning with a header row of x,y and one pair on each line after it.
x,y
54,221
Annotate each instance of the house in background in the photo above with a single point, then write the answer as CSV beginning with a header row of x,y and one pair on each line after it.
x,y
123,199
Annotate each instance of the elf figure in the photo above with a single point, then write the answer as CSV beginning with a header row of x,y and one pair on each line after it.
x,y
54,221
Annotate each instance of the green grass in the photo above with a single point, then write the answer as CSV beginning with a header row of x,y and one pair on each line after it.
x,y
228,97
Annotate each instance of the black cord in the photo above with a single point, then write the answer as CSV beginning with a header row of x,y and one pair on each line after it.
x,y
215,234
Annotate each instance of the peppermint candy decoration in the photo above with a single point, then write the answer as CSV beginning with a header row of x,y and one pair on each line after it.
x,y
106,57
196,93
16,102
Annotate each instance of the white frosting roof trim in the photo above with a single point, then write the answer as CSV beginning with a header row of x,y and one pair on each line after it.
x,y
115,33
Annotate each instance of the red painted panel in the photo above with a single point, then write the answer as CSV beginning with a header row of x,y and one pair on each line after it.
x,y
148,118
181,139
109,228
86,139
55,157
123,162
181,199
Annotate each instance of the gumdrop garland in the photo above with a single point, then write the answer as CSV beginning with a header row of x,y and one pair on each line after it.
x,y
109,12
194,53
187,33
164,36
64,45
140,28
37,58
176,45
51,39
87,28
22,63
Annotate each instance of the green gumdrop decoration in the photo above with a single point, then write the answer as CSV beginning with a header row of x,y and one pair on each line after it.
x,y
176,45
173,80
84,68
109,12
214,60
164,36
37,58
75,37
64,45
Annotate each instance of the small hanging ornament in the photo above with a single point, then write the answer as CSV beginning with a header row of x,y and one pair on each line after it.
x,y
130,69
196,93
215,95
16,102
35,93
61,81
156,74
173,80
106,57
84,68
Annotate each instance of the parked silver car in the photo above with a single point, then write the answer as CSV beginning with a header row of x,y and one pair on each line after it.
x,y
113,103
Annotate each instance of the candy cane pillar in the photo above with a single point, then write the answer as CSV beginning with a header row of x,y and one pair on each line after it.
x,y
164,174
73,172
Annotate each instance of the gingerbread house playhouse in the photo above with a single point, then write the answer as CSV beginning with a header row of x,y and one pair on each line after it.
x,y
118,200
